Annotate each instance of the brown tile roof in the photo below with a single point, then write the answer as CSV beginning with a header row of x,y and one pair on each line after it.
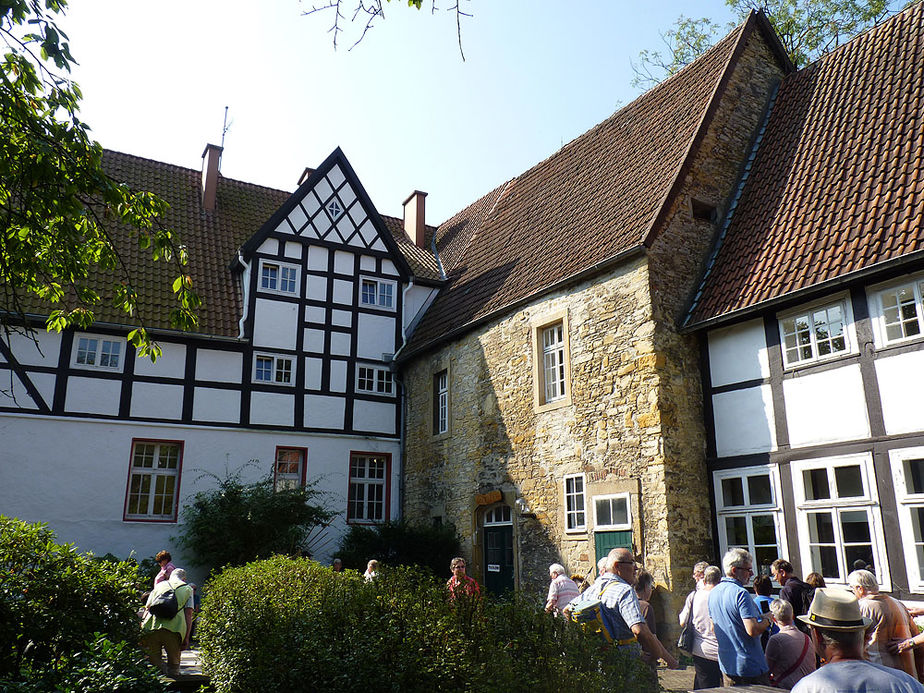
x,y
593,200
837,184
213,240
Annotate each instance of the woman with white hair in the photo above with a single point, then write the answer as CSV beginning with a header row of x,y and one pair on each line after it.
x,y
561,590
790,654
891,622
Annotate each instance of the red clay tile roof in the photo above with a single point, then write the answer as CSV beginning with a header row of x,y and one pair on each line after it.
x,y
593,200
213,240
837,185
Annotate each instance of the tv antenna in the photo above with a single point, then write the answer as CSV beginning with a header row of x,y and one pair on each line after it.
x,y
224,128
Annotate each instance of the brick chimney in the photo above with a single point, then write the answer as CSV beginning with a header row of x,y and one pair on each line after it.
x,y
415,224
211,159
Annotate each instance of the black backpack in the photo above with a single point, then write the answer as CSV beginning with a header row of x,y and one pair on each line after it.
x,y
164,605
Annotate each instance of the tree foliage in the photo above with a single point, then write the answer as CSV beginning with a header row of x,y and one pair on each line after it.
x,y
807,29
65,223
65,619
235,523
400,543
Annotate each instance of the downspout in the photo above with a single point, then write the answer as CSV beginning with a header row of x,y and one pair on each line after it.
x,y
245,288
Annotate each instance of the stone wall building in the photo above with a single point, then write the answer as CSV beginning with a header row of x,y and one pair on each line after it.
x,y
553,410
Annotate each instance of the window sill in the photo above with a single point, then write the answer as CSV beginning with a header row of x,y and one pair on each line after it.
x,y
550,406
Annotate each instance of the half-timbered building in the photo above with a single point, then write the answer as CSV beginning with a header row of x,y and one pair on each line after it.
x,y
306,298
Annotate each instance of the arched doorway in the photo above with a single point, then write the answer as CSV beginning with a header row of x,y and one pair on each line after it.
x,y
498,549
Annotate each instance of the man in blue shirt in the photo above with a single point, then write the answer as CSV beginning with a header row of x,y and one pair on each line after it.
x,y
738,624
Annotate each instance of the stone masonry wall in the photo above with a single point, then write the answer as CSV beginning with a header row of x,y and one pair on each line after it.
x,y
677,258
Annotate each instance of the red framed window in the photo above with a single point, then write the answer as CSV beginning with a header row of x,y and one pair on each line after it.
x,y
290,468
369,496
153,486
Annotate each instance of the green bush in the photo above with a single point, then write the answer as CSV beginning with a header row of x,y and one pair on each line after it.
x,y
400,543
60,609
236,522
290,624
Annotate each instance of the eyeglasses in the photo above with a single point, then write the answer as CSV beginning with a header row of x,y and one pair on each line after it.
x,y
458,565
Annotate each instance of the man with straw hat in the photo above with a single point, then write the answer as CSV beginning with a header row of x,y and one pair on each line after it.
x,y
838,630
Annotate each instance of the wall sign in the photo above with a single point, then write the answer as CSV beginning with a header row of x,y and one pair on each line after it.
x,y
493,568
488,498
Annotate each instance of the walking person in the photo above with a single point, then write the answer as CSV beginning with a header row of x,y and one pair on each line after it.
x,y
460,584
705,650
890,621
738,625
837,630
790,654
168,633
165,561
562,590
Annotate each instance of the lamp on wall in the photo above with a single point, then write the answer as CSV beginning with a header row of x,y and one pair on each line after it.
x,y
523,508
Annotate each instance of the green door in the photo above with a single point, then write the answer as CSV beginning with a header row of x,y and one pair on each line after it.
x,y
604,542
498,559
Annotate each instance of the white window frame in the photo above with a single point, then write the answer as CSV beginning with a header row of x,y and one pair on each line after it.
x,y
370,486
281,269
382,381
907,502
286,479
278,369
877,293
807,311
748,511
551,361
625,497
868,502
441,402
376,302
99,352
554,377
569,514
156,475
498,516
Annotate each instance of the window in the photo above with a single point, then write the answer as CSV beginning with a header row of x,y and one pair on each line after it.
x,y
334,209
612,512
279,278
378,293
574,503
815,334
441,402
153,480
272,369
98,352
498,515
368,500
376,380
908,477
838,516
902,314
289,468
551,369
749,513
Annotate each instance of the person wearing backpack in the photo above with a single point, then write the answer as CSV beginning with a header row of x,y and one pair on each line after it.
x,y
167,622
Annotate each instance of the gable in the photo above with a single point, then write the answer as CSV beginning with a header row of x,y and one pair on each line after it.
x,y
331,206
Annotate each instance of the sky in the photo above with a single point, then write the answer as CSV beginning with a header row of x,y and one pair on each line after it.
x,y
406,109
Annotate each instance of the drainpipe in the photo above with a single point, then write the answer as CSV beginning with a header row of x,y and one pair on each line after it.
x,y
245,289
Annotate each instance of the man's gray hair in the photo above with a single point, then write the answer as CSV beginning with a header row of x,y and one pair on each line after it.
x,y
864,579
712,575
557,568
602,563
700,567
781,610
735,558
179,574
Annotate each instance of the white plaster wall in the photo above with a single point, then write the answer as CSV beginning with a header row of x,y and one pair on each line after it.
x,y
317,258
367,263
901,381
343,262
738,353
315,314
324,412
28,354
378,417
84,499
157,401
272,408
416,298
275,324
314,341
220,406
341,318
343,292
13,392
338,371
45,384
340,343
92,396
293,250
375,336
270,246
313,373
744,421
388,267
170,364
826,407
219,366
317,287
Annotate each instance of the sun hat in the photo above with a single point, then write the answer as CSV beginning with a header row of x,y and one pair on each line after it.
x,y
835,609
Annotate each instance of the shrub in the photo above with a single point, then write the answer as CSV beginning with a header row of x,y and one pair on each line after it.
x,y
290,624
60,609
400,543
236,522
